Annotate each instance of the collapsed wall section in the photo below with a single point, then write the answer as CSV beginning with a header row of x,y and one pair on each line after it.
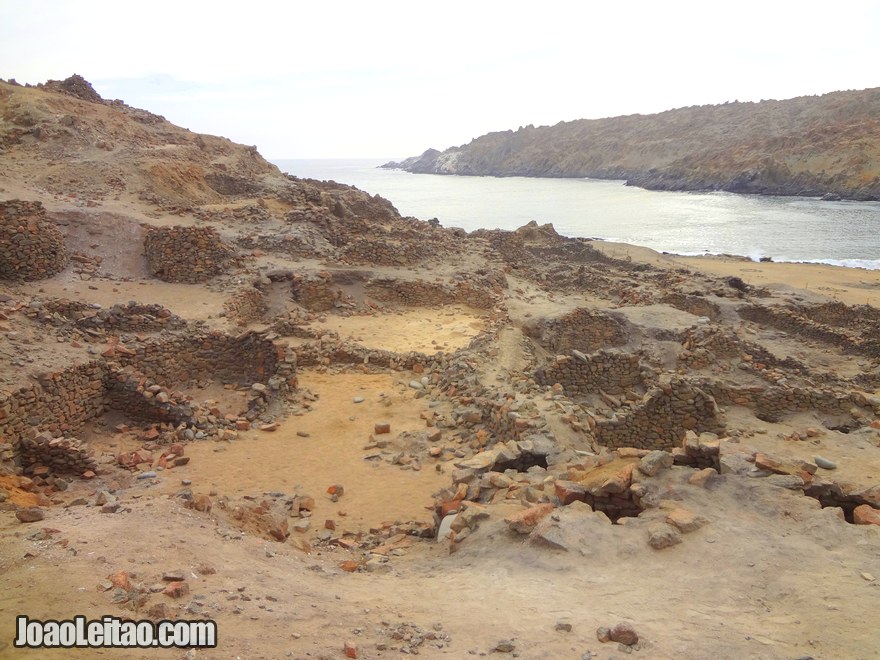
x,y
30,247
131,317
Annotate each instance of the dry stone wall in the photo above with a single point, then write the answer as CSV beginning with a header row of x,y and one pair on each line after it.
x,y
30,247
130,391
316,293
248,358
420,293
863,341
774,402
696,305
60,402
44,454
707,345
186,254
662,418
384,252
582,329
613,372
246,305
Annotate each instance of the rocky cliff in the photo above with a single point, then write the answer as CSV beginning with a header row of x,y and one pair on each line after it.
x,y
811,145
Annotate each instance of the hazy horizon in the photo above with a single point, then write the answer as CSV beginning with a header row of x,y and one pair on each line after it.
x,y
356,79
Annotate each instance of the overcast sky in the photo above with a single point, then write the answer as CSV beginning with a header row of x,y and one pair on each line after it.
x,y
377,78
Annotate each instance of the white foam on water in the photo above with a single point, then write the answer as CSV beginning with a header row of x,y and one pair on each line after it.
x,y
866,264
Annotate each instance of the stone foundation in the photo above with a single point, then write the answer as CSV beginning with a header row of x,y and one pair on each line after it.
x,y
861,339
30,247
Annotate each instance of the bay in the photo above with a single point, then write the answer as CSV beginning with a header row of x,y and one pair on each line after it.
x,y
796,229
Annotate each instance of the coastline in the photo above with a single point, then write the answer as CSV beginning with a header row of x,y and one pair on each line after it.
x,y
853,286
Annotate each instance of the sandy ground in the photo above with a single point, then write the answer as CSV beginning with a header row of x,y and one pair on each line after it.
x,y
494,588
769,575
424,330
853,286
324,447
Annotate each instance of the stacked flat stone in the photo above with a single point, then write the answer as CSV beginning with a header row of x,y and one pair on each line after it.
x,y
582,329
611,371
421,293
55,455
662,418
186,254
246,305
30,247
61,402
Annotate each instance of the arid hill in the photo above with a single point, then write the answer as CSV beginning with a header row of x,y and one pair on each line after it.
x,y
811,145
230,394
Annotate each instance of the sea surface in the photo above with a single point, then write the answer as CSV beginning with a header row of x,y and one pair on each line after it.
x,y
797,229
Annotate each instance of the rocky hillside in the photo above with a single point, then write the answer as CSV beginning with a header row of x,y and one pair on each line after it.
x,y
811,145
60,140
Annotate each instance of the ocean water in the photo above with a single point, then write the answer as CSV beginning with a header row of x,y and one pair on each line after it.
x,y
796,229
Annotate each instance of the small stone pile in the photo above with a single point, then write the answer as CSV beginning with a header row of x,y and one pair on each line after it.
x,y
186,254
30,247
44,455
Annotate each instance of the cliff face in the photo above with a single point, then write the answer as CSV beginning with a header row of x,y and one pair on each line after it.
x,y
811,145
